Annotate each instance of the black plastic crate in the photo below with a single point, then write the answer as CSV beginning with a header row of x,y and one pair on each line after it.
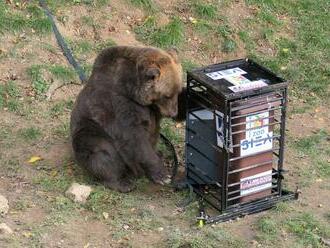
x,y
235,132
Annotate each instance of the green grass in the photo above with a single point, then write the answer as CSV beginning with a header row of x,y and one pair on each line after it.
x,y
9,92
308,56
62,4
87,20
61,107
104,44
80,47
169,35
148,5
188,65
31,19
30,134
268,229
39,84
40,76
203,27
174,134
11,167
308,230
166,36
9,98
316,148
62,130
63,73
207,237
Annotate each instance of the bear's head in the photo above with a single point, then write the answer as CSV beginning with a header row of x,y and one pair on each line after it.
x,y
160,80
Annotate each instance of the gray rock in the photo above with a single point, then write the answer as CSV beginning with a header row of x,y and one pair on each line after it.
x,y
4,229
4,207
78,192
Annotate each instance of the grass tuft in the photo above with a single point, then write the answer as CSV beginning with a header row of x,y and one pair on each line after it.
x,y
166,36
308,229
268,228
169,35
317,148
145,4
30,134
31,19
207,11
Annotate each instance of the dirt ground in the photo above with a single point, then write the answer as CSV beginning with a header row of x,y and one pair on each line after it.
x,y
42,216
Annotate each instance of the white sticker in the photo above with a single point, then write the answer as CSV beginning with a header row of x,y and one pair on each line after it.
x,y
258,139
248,86
256,183
228,72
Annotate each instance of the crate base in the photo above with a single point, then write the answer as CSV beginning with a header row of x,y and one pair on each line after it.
x,y
242,210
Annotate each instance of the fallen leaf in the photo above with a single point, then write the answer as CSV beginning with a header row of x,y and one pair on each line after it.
x,y
34,159
53,173
27,234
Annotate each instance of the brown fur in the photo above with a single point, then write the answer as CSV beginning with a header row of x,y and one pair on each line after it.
x,y
115,120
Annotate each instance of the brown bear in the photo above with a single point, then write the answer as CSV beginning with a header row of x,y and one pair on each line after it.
x,y
115,121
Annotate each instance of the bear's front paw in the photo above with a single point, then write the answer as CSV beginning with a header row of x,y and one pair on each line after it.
x,y
160,177
122,186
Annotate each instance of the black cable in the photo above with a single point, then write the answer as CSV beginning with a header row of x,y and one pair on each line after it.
x,y
169,144
60,41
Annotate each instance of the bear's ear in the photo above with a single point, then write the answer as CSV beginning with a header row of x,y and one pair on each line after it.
x,y
152,73
174,53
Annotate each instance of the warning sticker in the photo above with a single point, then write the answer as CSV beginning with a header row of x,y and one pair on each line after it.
x,y
256,183
237,79
248,86
257,137
224,73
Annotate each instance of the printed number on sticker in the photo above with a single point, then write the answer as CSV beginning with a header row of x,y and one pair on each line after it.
x,y
257,137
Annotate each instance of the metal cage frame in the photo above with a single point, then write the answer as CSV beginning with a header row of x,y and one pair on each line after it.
x,y
216,186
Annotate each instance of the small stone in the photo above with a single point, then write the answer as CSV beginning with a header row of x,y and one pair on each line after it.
x,y
160,229
13,76
320,205
78,192
254,242
105,215
167,180
4,229
4,207
126,227
179,125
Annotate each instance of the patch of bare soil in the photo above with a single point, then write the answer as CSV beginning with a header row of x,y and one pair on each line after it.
x,y
302,125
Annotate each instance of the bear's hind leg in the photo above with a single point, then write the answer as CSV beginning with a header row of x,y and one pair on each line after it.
x,y
97,155
112,171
